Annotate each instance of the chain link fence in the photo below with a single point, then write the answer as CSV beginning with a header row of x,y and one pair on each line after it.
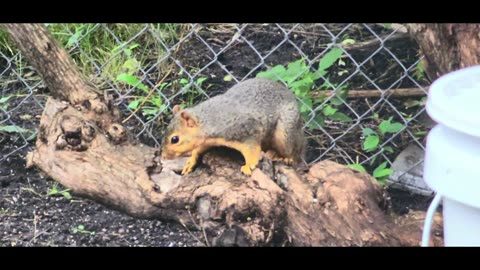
x,y
361,87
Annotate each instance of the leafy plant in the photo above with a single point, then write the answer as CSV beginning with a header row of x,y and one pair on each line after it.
x,y
357,167
155,103
81,229
131,64
54,191
373,138
381,172
300,79
190,90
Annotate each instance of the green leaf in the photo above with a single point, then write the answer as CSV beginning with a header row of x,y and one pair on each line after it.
x,y
157,101
132,81
116,48
134,104
371,143
367,131
373,160
387,127
388,149
67,195
129,65
128,79
330,58
5,99
272,73
318,121
314,75
306,106
357,167
164,85
228,78
420,133
336,101
200,81
294,70
382,171
410,103
134,45
381,166
302,87
326,84
13,129
348,41
150,111
318,101
74,38
81,227
340,116
183,81
329,110
419,71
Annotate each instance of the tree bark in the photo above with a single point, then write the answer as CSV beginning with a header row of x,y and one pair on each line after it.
x,y
82,146
447,47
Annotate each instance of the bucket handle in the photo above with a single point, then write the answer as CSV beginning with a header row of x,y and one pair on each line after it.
x,y
429,218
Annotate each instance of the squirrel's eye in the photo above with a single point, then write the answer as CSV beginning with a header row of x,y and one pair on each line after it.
x,y
174,139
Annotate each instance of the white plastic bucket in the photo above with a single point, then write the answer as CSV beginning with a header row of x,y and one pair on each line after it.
x,y
452,157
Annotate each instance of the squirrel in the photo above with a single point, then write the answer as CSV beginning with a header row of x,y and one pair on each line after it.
x,y
253,116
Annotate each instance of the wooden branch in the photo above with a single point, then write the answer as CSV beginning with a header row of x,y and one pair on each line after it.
x,y
399,92
89,152
58,71
375,43
53,63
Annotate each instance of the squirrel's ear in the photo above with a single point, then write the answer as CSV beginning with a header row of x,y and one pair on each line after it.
x,y
176,109
187,119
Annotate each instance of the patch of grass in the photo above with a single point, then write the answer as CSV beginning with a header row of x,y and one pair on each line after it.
x,y
112,48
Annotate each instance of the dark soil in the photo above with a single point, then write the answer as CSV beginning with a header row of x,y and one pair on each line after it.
x,y
30,217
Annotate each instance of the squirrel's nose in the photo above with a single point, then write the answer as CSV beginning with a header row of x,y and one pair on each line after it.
x,y
166,155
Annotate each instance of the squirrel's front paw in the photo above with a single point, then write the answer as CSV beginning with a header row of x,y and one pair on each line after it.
x,y
247,170
288,161
188,167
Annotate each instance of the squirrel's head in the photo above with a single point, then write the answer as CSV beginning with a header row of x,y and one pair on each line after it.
x,y
182,134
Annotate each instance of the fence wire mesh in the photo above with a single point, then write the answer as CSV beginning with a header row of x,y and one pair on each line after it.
x,y
361,87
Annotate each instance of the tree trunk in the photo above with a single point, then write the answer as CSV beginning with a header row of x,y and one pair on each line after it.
x,y
82,146
447,47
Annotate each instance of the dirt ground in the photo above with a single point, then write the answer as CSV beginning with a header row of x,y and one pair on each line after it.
x,y
30,217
